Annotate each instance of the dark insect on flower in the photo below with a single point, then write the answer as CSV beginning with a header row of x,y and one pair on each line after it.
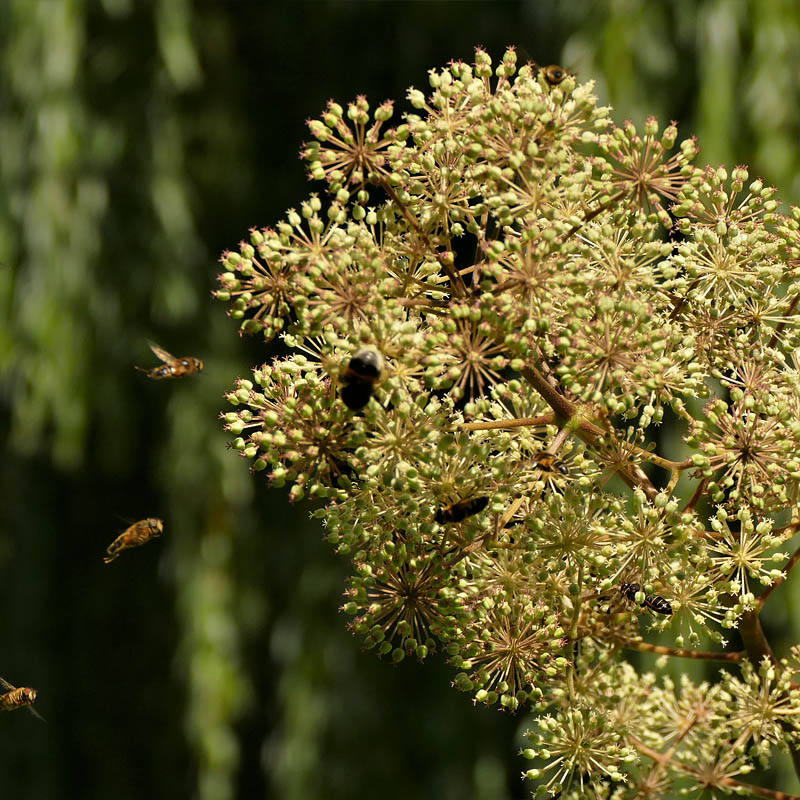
x,y
630,590
137,534
554,74
172,367
360,377
22,697
658,604
458,512
547,462
652,601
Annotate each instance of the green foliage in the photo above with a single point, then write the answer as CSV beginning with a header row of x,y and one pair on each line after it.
x,y
545,288
82,287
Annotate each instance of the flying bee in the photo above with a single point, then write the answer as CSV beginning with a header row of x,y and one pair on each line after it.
x,y
554,74
547,462
359,379
458,512
139,533
22,697
172,367
654,602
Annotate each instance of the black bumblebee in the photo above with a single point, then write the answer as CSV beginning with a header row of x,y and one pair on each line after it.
x,y
554,74
547,462
458,512
652,601
360,377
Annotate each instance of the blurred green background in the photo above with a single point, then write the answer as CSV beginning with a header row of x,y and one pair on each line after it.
x,y
138,140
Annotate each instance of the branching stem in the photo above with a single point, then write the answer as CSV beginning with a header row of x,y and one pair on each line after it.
x,y
677,652
755,642
573,636
754,639
698,493
592,214
567,413
779,329
435,306
752,789
456,280
502,424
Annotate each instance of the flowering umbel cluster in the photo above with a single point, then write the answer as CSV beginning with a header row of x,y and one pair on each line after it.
x,y
489,309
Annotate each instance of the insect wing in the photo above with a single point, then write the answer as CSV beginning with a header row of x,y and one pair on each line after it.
x,y
162,353
35,713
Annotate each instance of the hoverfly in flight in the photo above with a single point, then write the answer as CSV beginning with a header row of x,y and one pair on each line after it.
x,y
137,534
18,697
172,367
